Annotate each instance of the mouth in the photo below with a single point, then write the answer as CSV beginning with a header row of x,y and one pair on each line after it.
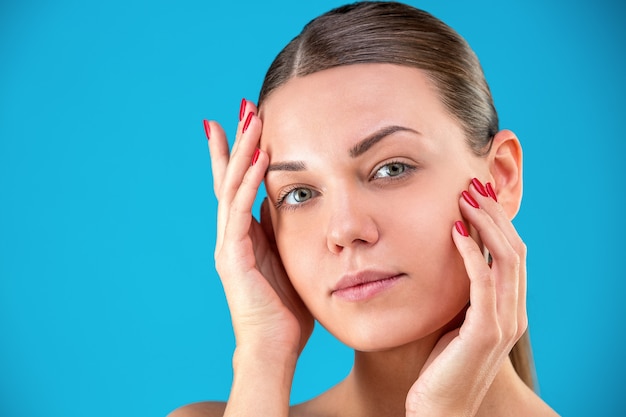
x,y
364,285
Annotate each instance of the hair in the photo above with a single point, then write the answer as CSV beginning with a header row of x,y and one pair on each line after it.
x,y
395,33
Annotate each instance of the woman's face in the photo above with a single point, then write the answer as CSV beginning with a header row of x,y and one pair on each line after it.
x,y
366,170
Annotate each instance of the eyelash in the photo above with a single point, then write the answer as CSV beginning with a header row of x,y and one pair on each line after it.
x,y
280,203
408,168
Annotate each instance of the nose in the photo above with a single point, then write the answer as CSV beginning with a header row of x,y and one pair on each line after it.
x,y
350,223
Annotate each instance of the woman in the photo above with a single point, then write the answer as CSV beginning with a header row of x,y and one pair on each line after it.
x,y
390,194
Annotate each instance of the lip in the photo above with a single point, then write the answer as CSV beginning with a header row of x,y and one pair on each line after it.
x,y
364,285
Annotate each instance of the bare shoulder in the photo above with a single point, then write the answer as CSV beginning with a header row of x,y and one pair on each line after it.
x,y
201,409
217,409
531,404
541,409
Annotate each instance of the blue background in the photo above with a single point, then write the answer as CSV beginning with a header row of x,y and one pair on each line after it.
x,y
109,303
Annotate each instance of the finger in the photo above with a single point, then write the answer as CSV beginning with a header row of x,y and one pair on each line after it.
x,y
501,220
218,144
220,155
248,135
240,210
240,160
505,269
247,108
483,303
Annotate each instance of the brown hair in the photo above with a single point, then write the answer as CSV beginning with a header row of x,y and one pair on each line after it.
x,y
395,33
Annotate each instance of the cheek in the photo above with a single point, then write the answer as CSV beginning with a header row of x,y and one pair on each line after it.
x,y
421,235
296,241
422,219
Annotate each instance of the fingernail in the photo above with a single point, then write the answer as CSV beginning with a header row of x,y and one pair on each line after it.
x,y
490,191
479,187
242,108
470,199
255,157
460,227
247,122
207,129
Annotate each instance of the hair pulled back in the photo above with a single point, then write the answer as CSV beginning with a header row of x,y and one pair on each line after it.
x,y
395,33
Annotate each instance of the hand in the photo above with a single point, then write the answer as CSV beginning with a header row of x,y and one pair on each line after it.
x,y
464,363
266,311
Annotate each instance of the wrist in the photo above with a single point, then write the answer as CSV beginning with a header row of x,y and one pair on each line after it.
x,y
262,381
264,358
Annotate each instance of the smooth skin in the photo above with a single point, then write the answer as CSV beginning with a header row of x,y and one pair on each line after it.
x,y
364,170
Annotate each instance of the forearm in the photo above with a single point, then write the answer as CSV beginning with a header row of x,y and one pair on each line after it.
x,y
261,383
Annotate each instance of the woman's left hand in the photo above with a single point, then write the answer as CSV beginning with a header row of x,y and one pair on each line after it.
x,y
464,363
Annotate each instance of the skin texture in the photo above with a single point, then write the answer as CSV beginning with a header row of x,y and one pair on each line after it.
x,y
360,217
338,209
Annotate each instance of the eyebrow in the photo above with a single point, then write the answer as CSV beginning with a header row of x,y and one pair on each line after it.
x,y
287,166
356,151
364,145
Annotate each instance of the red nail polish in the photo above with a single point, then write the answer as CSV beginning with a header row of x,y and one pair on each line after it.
x,y
255,157
470,199
460,227
207,129
242,109
479,187
490,191
247,122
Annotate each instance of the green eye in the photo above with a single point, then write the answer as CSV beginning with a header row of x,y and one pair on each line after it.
x,y
297,196
391,170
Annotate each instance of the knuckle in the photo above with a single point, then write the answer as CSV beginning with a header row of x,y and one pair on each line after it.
x,y
217,256
522,324
219,267
223,265
516,330
485,276
474,251
220,262
236,210
511,256
510,334
500,210
520,248
492,336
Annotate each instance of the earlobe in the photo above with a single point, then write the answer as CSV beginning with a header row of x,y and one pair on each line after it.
x,y
505,167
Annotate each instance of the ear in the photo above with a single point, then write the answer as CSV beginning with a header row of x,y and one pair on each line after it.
x,y
505,167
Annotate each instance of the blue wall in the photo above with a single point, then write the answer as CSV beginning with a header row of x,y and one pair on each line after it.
x,y
109,303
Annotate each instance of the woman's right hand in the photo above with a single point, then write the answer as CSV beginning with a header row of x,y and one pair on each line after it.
x,y
266,311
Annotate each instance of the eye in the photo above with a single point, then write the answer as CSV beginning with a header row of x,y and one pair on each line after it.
x,y
295,197
299,195
392,169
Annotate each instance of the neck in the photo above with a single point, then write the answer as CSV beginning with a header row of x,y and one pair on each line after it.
x,y
379,382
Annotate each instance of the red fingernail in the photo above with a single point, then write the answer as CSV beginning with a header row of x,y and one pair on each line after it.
x,y
247,122
255,157
242,108
460,227
470,199
479,187
207,129
490,191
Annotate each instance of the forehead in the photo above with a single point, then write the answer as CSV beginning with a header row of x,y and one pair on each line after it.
x,y
346,103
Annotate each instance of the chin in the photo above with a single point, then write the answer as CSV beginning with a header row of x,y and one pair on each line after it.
x,y
380,333
412,310
384,342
